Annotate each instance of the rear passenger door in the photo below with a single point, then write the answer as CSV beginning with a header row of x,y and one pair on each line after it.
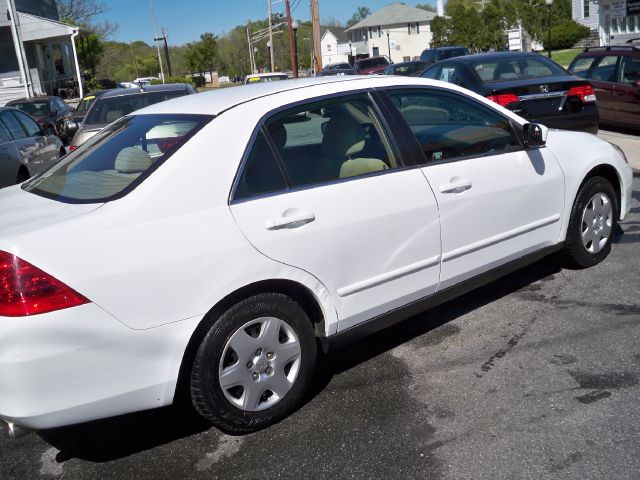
x,y
324,188
603,77
497,201
627,92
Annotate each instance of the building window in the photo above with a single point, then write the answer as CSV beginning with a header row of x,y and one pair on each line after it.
x,y
585,8
418,28
328,47
409,28
370,33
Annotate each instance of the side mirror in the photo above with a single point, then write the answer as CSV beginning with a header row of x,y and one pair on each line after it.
x,y
534,135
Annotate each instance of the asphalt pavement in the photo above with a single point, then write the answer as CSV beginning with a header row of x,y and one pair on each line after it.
x,y
532,376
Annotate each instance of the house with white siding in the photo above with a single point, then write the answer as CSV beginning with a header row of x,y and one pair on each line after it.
x,y
398,31
38,52
615,21
334,46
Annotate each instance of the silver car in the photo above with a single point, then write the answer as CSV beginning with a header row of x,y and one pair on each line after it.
x,y
24,148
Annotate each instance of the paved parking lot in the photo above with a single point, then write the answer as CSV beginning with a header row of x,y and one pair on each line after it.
x,y
533,376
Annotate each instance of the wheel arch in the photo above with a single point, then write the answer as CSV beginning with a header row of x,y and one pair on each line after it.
x,y
298,292
611,174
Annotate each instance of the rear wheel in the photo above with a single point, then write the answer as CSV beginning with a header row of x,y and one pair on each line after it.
x,y
255,364
592,223
23,175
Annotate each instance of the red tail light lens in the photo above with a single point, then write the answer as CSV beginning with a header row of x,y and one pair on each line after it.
x,y
73,147
584,92
27,290
503,99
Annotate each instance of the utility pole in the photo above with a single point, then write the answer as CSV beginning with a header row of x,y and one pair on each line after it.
x,y
294,67
166,48
315,19
135,61
155,35
251,64
271,39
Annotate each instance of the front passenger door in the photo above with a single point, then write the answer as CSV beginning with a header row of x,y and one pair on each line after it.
x,y
496,200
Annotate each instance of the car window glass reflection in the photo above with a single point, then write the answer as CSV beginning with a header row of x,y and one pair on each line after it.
x,y
449,126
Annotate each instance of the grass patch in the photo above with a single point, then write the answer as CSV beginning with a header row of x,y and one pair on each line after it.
x,y
564,57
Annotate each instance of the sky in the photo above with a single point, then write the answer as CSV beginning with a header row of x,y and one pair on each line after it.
x,y
185,20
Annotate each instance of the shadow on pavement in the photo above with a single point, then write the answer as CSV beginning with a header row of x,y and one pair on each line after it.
x,y
119,437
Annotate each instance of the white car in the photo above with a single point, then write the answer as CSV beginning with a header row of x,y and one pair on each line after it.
x,y
207,244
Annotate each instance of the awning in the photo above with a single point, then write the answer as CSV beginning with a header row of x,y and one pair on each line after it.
x,y
38,28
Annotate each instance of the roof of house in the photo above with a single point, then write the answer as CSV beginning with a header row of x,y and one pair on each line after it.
x,y
394,14
339,33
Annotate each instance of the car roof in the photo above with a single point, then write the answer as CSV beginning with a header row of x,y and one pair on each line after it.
x,y
120,92
217,101
27,100
489,57
268,74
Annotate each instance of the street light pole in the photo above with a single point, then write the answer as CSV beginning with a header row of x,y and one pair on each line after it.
x,y
294,26
549,3
389,45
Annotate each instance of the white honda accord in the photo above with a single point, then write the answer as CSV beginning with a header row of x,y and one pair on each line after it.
x,y
214,242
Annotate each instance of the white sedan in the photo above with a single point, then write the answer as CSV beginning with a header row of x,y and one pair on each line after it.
x,y
206,245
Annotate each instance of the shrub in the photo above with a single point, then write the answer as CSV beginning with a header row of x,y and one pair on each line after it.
x,y
174,80
566,34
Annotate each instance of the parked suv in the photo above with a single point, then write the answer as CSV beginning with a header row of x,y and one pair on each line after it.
x,y
116,103
614,72
433,55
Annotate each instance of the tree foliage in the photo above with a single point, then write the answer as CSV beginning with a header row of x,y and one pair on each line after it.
x,y
83,13
481,30
201,56
426,6
360,14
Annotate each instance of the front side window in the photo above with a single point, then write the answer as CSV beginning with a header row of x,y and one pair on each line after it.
x,y
605,71
11,123
449,126
117,159
581,66
107,110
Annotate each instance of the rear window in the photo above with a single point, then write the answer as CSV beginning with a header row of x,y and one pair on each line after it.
x,y
373,62
107,110
117,159
515,68
35,109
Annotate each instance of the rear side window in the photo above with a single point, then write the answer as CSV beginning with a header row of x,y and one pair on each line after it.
x,y
11,123
32,128
261,172
581,66
630,70
116,159
107,110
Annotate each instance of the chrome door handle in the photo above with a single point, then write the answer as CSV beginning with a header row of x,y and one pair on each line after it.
x,y
291,221
456,185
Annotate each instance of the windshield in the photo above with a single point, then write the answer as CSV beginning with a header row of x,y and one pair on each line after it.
x,y
35,109
516,68
107,110
117,159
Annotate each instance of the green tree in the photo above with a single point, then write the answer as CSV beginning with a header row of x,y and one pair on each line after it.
x,y
361,14
440,31
90,51
426,6
201,56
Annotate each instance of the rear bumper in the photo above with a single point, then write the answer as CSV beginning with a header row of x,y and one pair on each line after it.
x,y
81,364
585,121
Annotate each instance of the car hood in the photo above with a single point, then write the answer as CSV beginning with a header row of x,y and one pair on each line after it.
x,y
21,212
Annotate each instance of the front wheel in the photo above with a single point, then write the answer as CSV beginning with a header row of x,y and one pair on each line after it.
x,y
592,223
254,365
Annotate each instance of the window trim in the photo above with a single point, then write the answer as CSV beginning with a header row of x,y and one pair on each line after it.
x,y
516,128
389,131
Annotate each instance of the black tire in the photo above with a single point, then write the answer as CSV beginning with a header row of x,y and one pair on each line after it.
x,y
575,252
23,176
209,398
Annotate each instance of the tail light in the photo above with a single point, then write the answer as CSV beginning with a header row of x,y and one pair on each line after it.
x,y
27,290
503,99
584,92
73,147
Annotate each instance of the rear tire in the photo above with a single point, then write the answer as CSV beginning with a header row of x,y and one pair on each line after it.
x,y
254,364
592,224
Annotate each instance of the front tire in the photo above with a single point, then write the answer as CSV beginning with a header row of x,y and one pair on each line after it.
x,y
592,224
254,364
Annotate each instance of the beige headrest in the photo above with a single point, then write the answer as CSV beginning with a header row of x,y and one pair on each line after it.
x,y
132,160
343,136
